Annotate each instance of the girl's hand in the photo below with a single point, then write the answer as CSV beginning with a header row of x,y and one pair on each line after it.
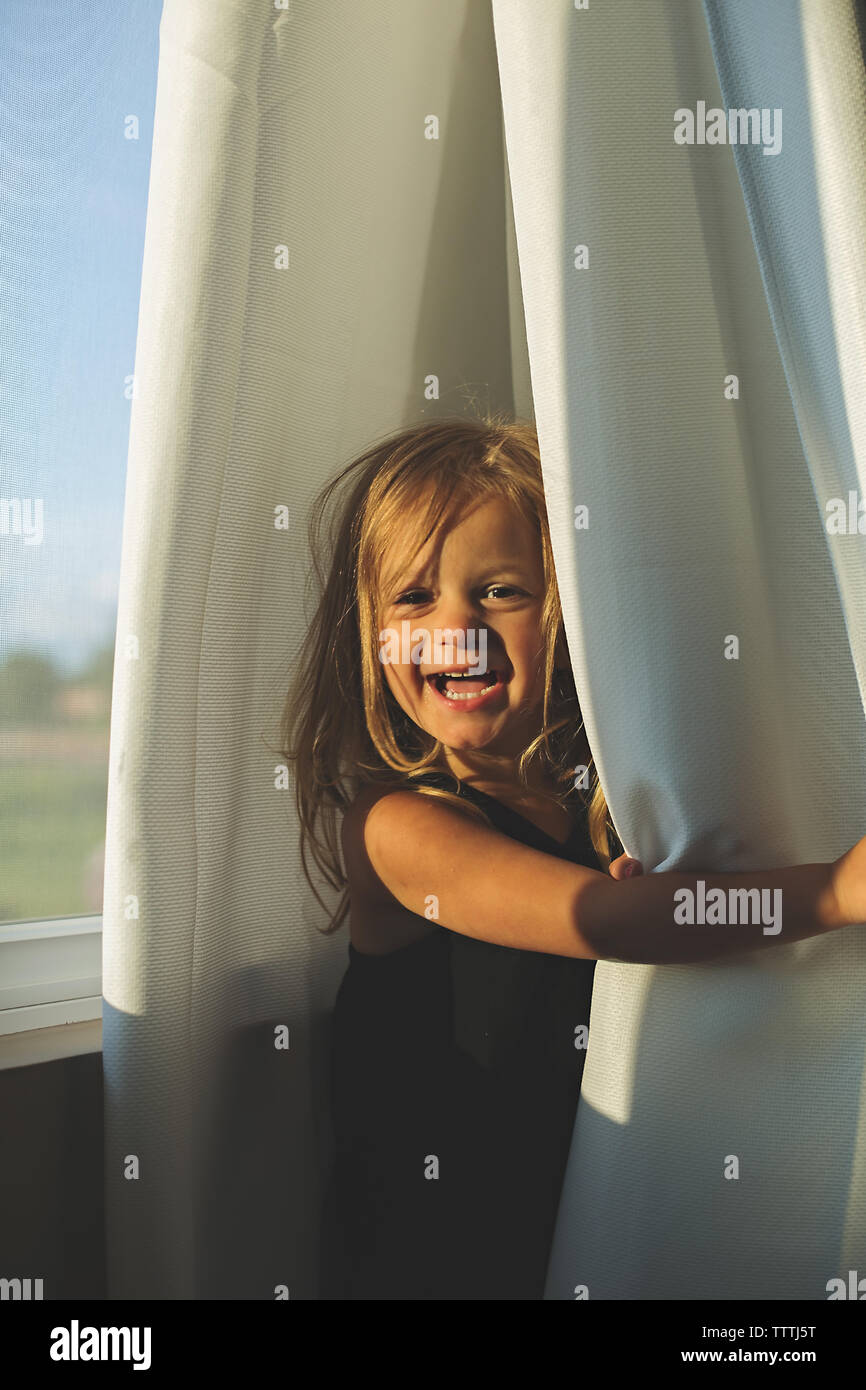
x,y
849,884
625,867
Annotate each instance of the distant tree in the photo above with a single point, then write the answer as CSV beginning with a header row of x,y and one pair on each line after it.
x,y
98,669
28,685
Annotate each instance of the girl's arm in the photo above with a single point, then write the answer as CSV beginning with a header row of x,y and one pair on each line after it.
x,y
463,875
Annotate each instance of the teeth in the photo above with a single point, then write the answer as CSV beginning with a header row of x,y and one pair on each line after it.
x,y
466,694
440,677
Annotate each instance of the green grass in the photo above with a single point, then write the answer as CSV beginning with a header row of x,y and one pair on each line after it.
x,y
52,819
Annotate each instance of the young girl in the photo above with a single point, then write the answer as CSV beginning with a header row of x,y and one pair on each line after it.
x,y
435,715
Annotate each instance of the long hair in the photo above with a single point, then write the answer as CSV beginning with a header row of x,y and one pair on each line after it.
x,y
341,727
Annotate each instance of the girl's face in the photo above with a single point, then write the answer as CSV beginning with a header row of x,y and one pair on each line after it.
x,y
484,575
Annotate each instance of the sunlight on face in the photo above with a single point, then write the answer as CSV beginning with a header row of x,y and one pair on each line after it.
x,y
482,577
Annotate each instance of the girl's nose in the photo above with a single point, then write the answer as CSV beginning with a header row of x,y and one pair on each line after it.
x,y
460,634
459,617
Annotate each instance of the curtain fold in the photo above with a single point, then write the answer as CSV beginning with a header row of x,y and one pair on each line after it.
x,y
706,505
316,253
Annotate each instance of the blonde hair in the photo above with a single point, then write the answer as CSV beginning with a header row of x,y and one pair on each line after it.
x,y
341,727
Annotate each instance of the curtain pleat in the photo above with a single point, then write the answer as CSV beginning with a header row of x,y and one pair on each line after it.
x,y
312,259
698,377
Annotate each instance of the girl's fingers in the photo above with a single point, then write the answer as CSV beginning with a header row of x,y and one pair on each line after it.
x,y
625,867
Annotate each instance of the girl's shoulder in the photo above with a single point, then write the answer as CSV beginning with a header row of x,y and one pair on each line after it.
x,y
371,793
355,818
379,923
367,795
401,793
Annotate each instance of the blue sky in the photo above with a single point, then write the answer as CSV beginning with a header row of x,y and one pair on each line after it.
x,y
73,201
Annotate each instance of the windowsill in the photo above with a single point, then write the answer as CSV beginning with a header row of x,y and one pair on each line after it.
x,y
25,1049
50,980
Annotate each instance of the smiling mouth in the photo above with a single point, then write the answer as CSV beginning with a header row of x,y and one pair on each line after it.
x,y
459,686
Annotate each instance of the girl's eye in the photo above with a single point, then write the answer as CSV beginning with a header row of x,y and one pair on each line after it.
x,y
492,591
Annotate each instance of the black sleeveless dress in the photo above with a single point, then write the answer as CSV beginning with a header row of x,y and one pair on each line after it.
x,y
455,1078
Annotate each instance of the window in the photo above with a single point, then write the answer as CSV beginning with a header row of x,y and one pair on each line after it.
x,y
80,88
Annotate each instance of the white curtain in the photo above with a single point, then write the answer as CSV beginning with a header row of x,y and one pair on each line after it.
x,y
706,520
309,128
305,128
